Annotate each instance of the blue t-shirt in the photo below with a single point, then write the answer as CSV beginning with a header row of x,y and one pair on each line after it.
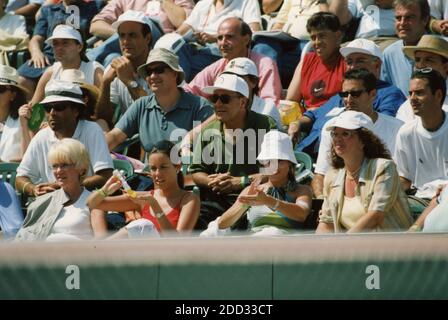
x,y
148,119
387,101
397,67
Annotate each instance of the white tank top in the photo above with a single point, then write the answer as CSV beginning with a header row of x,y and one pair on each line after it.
x,y
88,68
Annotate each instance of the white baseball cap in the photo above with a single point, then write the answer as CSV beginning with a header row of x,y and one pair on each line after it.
x,y
351,120
361,46
242,67
231,82
63,31
57,90
132,15
276,145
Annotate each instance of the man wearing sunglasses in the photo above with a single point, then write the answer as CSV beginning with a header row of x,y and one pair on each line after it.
x,y
168,112
358,93
65,111
360,53
431,52
224,155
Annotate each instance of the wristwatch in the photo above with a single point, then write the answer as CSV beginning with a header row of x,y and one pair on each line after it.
x,y
132,84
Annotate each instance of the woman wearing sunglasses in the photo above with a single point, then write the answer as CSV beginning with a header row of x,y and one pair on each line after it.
x,y
166,209
276,207
13,125
362,191
63,214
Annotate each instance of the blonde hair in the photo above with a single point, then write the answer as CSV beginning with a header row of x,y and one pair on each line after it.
x,y
70,151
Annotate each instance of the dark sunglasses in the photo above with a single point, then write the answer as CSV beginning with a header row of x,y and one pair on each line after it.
x,y
4,89
225,98
156,70
55,106
353,93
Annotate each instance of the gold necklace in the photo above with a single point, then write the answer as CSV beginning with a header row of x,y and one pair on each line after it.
x,y
353,175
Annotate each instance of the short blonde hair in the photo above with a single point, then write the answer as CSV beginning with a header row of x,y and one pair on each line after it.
x,y
70,151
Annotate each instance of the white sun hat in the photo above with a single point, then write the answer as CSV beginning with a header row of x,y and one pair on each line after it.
x,y
242,66
10,77
351,120
229,82
63,31
361,46
276,145
57,90
132,16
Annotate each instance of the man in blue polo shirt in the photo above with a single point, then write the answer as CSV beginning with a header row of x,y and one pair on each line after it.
x,y
168,112
360,53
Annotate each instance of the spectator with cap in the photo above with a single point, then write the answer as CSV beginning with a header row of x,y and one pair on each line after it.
x,y
359,53
319,74
170,14
358,93
234,38
168,112
430,52
202,27
68,48
277,207
14,132
224,154
42,54
362,190
421,149
411,19
121,83
65,111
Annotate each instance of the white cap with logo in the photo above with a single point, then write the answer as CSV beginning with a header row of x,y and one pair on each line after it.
x,y
242,67
229,82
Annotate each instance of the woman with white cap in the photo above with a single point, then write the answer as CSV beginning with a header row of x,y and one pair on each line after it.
x,y
362,191
69,48
278,206
15,124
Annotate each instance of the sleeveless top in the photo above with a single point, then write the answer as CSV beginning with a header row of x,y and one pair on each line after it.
x,y
88,68
172,216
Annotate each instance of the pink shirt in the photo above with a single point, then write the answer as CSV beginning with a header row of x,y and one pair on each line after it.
x,y
115,8
269,83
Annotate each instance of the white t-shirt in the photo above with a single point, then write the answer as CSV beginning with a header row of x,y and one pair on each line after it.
x,y
73,222
204,18
439,9
406,114
35,164
14,25
374,22
10,141
422,156
385,127
88,68
266,107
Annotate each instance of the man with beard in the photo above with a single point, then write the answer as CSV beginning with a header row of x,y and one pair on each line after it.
x,y
65,110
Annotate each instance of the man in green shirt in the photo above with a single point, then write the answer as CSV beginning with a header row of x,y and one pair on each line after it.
x,y
224,154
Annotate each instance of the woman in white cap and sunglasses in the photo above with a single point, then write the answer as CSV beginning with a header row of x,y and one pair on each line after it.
x,y
362,192
276,207
14,123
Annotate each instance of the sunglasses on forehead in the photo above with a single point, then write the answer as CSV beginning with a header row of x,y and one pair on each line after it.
x,y
54,106
224,98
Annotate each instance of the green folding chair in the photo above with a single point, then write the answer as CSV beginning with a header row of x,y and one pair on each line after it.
x,y
8,172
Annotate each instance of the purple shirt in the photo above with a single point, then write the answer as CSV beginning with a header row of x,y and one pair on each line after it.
x,y
115,8
269,83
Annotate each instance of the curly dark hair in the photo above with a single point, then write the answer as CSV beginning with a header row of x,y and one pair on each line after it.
x,y
166,147
373,148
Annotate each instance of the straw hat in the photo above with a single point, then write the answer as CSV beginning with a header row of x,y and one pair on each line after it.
x,y
10,77
429,43
77,76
